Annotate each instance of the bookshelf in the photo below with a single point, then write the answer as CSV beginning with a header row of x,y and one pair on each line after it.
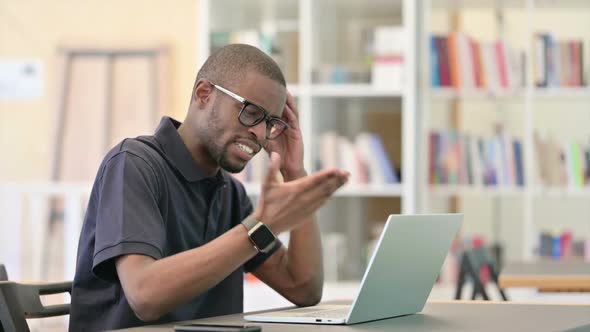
x,y
513,216
457,190
350,190
346,80
353,90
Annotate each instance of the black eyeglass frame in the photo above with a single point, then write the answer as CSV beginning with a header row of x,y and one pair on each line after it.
x,y
265,116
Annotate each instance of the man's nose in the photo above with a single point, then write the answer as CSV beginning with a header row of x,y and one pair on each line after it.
x,y
258,131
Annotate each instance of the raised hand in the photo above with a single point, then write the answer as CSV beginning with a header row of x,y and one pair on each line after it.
x,y
283,205
289,145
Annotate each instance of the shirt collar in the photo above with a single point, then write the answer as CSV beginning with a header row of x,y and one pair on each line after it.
x,y
177,153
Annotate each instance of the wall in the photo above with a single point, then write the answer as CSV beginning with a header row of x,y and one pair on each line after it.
x,y
33,29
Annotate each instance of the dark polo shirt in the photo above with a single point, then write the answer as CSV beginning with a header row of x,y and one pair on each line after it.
x,y
151,198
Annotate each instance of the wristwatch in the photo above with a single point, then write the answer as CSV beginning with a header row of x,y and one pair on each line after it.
x,y
260,235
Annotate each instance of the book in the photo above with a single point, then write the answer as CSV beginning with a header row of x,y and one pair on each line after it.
x,y
558,63
443,62
517,147
465,159
459,61
434,62
384,162
365,158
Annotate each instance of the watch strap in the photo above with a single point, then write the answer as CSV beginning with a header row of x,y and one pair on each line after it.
x,y
249,223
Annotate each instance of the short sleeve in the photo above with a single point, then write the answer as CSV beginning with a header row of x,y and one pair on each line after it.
x,y
246,209
128,217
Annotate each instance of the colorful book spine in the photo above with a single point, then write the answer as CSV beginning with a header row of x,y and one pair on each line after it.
x,y
383,159
456,158
443,61
518,162
434,62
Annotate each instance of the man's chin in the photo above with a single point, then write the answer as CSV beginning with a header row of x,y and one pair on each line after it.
x,y
232,167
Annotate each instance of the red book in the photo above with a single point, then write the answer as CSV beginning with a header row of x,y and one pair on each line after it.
x,y
575,54
566,245
501,61
443,61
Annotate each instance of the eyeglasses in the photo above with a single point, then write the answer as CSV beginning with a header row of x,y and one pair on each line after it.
x,y
252,114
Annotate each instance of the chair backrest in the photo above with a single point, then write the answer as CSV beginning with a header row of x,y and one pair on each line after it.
x,y
19,302
3,273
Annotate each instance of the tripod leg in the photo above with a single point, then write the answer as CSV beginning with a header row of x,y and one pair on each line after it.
x,y
461,278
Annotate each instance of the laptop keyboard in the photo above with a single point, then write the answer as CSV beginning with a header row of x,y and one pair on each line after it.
x,y
343,312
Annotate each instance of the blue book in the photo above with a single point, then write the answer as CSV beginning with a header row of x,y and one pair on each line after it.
x,y
434,63
552,60
384,161
517,146
491,155
546,245
556,252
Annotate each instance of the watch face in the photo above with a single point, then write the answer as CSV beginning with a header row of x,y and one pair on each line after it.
x,y
262,237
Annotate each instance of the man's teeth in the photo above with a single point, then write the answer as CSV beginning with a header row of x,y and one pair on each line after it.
x,y
245,148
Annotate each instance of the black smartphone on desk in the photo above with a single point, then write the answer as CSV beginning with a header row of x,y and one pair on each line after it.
x,y
217,328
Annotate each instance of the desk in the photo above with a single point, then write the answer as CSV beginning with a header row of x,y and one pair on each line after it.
x,y
443,316
548,276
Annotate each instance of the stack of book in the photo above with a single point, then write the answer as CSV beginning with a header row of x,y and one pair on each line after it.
x,y
460,62
388,57
558,63
562,164
365,158
463,159
563,246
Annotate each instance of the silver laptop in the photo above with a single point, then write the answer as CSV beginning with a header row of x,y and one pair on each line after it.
x,y
398,279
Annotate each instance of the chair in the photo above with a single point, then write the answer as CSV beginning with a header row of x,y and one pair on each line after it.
x,y
19,302
471,262
3,274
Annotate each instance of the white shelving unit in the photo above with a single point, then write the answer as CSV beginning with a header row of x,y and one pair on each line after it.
x,y
450,190
305,90
324,29
350,190
352,90
525,110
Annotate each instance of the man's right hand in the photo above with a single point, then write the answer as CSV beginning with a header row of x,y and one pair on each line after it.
x,y
283,205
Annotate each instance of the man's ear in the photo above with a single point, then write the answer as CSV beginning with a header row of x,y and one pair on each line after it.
x,y
202,93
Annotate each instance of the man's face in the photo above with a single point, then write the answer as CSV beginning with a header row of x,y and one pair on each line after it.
x,y
230,143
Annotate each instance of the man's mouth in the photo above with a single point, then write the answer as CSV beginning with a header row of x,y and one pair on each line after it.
x,y
246,148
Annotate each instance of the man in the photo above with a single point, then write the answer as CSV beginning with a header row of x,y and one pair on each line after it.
x,y
168,233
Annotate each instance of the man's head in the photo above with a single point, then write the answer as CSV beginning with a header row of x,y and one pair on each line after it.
x,y
217,138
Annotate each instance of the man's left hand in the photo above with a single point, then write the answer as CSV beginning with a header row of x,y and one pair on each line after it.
x,y
289,145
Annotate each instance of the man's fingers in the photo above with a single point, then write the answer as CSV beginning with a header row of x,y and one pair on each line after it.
x,y
291,104
291,118
321,184
273,168
319,178
290,99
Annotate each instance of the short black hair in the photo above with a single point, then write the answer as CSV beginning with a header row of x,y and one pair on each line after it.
x,y
230,63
